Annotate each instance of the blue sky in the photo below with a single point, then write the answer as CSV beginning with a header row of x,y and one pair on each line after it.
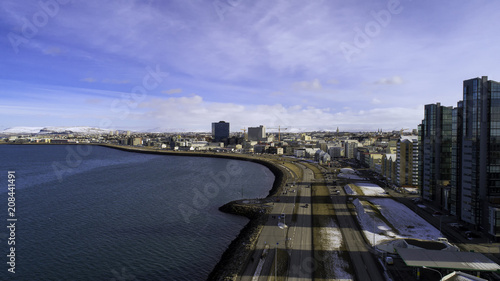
x,y
180,65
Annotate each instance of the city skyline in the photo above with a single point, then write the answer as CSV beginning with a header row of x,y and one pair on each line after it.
x,y
178,66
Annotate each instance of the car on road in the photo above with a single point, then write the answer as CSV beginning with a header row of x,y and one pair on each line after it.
x,y
389,260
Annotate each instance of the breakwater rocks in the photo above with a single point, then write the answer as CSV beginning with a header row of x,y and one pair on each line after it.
x,y
236,256
234,259
251,209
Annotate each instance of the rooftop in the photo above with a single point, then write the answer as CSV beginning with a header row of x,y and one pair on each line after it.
x,y
447,259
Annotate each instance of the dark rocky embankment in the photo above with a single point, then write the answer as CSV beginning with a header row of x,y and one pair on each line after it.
x,y
235,258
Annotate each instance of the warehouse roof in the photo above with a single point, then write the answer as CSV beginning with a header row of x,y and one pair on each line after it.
x,y
447,259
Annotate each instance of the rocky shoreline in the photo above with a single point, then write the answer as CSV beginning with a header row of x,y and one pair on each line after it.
x,y
238,252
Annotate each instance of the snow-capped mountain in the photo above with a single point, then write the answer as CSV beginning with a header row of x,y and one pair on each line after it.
x,y
54,130
21,130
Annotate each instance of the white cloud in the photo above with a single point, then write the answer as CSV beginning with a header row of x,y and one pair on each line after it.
x,y
115,81
395,80
192,112
261,52
106,80
89,80
172,91
314,85
277,94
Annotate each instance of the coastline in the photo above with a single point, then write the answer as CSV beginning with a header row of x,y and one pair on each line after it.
x,y
235,256
238,252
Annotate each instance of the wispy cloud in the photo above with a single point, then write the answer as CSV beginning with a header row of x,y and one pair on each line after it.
x,y
115,81
395,80
89,80
53,51
314,85
261,55
193,111
172,91
105,81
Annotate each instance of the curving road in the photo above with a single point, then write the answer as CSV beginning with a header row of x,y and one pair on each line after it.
x,y
296,239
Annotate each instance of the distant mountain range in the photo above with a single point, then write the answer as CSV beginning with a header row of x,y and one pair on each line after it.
x,y
54,130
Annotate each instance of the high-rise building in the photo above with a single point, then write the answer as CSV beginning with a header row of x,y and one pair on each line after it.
x,y
435,150
350,148
220,131
456,160
257,133
407,161
480,169
459,161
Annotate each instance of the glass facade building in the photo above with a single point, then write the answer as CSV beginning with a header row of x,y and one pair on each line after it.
x,y
435,149
459,161
456,160
220,131
480,198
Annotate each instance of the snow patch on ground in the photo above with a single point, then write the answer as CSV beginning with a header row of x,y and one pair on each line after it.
x,y
349,190
375,231
336,265
408,223
404,220
370,189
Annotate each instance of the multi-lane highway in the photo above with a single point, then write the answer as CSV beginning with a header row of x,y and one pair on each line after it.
x,y
296,238
291,232
301,232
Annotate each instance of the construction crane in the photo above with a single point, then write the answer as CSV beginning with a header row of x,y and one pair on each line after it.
x,y
401,131
244,133
279,131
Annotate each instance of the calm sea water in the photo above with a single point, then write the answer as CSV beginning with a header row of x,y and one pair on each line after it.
x,y
95,213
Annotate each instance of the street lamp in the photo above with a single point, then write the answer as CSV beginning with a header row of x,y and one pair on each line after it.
x,y
435,271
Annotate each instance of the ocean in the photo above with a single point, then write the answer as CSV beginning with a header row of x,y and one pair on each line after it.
x,y
96,213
